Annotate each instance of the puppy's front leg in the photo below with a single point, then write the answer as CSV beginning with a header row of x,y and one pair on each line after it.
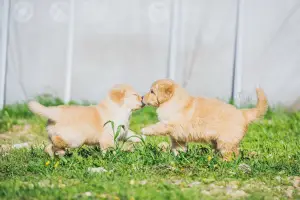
x,y
178,146
157,129
106,141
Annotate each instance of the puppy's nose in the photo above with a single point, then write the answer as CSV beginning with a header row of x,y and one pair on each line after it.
x,y
143,104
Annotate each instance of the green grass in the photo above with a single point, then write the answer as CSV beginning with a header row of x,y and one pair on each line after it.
x,y
266,169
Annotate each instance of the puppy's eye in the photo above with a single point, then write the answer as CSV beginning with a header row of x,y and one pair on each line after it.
x,y
151,91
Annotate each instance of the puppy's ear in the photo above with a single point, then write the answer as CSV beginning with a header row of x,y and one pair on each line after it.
x,y
117,95
166,91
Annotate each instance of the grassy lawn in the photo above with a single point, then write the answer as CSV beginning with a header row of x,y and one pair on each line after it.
x,y
267,168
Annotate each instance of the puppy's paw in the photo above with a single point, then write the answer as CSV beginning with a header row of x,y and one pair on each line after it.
x,y
138,139
178,151
133,137
103,151
175,152
60,153
147,131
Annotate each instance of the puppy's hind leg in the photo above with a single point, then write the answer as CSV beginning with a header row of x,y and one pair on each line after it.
x,y
52,150
59,145
49,150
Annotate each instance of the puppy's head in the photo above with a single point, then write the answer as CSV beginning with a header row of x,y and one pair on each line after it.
x,y
125,96
161,91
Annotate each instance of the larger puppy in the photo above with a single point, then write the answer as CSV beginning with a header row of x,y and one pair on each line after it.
x,y
194,119
73,126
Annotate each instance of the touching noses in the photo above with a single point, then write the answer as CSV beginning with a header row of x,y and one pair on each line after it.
x,y
143,104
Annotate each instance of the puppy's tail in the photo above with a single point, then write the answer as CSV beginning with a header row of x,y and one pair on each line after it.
x,y
260,109
51,113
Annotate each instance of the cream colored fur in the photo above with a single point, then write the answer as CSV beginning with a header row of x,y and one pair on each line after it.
x,y
195,119
73,126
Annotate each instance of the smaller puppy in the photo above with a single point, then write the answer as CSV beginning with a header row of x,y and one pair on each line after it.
x,y
73,126
194,119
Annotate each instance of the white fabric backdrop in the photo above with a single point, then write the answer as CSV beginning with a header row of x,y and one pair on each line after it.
x,y
119,41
